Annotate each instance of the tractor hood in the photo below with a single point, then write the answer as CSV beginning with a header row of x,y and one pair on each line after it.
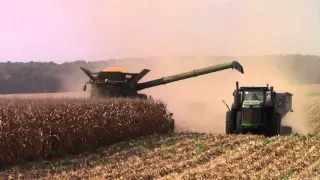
x,y
253,103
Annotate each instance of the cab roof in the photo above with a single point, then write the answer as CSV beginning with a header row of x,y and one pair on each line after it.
x,y
254,88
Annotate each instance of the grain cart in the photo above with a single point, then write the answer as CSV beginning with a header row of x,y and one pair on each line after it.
x,y
119,83
258,110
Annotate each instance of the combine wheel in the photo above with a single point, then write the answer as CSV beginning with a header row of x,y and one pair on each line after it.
x,y
142,96
239,129
230,122
93,94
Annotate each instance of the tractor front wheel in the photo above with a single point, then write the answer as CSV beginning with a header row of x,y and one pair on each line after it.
x,y
230,122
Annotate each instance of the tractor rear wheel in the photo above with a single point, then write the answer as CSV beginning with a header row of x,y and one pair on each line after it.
x,y
286,130
239,129
274,126
230,122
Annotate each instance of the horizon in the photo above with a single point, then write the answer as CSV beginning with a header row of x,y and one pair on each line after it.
x,y
67,30
163,57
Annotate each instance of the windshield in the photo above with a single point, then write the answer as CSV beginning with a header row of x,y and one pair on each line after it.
x,y
253,95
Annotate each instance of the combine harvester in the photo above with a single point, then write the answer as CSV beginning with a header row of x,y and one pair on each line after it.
x,y
118,83
115,82
258,110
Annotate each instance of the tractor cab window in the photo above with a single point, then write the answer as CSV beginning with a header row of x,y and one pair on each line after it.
x,y
253,95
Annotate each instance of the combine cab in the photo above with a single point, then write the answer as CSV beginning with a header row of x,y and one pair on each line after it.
x,y
116,82
258,110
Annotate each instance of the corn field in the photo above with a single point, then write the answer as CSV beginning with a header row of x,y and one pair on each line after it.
x,y
39,128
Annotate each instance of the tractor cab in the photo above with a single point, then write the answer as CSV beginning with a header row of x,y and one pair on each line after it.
x,y
253,96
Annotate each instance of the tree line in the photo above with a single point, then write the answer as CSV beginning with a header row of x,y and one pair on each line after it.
x,y
49,77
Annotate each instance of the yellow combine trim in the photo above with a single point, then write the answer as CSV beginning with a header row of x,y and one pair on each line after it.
x,y
115,69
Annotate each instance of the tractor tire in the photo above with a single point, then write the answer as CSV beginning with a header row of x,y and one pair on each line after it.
x,y
171,126
230,122
278,123
286,130
239,129
273,128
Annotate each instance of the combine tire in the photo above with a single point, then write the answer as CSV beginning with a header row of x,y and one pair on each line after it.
x,y
239,129
142,96
93,94
230,122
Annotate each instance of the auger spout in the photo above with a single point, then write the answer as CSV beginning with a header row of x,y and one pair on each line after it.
x,y
190,74
88,73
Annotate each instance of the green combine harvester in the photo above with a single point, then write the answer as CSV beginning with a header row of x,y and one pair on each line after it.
x,y
116,82
258,110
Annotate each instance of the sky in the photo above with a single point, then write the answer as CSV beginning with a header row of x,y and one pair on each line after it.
x,y
68,30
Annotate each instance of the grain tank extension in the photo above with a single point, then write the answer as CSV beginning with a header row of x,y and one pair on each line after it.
x,y
119,83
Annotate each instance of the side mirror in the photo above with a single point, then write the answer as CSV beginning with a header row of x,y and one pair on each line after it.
x,y
291,110
236,99
84,87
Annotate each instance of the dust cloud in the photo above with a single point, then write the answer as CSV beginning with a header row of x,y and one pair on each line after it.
x,y
229,28
197,102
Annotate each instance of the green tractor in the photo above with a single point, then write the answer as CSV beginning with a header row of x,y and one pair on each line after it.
x,y
116,82
257,110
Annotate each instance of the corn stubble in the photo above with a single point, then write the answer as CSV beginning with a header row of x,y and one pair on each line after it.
x,y
312,110
191,156
39,128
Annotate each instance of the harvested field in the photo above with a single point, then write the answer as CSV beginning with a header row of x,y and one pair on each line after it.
x,y
44,128
187,156
312,110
